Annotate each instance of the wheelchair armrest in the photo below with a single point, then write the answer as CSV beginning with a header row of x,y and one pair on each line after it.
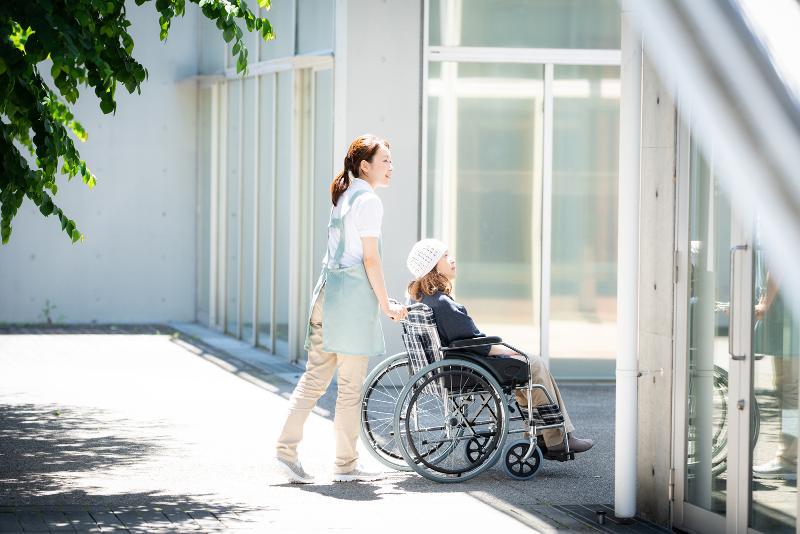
x,y
473,342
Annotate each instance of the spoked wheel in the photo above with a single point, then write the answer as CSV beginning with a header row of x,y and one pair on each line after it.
x,y
379,397
452,418
513,464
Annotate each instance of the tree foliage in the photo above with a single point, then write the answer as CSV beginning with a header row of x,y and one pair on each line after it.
x,y
84,43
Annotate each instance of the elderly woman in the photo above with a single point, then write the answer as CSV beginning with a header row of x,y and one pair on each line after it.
x,y
434,270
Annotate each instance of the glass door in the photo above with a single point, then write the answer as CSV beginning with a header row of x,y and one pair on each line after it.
x,y
772,477
711,233
737,410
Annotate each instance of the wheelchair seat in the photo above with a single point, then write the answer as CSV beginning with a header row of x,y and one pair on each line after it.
x,y
509,372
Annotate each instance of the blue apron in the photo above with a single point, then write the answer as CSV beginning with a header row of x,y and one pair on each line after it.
x,y
351,313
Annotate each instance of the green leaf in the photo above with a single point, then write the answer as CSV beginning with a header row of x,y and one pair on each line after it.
x,y
89,47
107,106
46,207
19,36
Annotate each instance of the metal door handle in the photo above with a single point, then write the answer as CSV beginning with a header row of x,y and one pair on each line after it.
x,y
732,306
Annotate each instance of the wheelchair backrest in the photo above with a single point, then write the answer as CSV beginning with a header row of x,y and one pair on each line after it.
x,y
421,337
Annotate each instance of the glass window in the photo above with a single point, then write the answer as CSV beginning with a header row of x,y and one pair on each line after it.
x,y
232,210
525,23
248,207
314,26
583,290
266,207
710,221
204,204
484,179
323,161
284,179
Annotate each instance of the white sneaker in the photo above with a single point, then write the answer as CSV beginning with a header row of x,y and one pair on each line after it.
x,y
293,472
357,475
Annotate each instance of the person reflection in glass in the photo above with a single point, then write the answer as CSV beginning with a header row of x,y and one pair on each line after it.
x,y
777,335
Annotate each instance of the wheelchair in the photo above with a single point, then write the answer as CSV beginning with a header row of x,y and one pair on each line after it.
x,y
447,413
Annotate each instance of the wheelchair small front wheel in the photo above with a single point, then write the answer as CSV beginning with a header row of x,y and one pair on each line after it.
x,y
513,464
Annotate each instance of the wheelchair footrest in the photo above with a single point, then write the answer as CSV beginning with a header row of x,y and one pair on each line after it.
x,y
559,456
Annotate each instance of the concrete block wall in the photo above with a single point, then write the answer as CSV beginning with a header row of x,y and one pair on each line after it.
x,y
137,263
656,296
381,90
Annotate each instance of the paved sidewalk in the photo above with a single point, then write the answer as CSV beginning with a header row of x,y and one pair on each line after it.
x,y
143,429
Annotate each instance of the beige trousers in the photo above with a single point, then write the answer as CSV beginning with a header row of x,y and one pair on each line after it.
x,y
541,375
312,385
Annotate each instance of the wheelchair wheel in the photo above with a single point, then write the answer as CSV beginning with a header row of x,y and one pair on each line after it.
x,y
475,447
381,392
513,464
444,407
719,438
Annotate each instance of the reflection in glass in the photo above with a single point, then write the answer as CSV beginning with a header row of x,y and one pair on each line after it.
x,y
266,163
248,207
583,301
776,349
525,23
707,403
232,211
484,185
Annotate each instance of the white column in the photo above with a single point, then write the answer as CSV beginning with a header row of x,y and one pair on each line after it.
x,y
627,271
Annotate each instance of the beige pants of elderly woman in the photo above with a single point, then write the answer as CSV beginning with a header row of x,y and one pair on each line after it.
x,y
319,372
541,375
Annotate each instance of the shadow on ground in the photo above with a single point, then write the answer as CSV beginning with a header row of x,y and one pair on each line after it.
x,y
44,447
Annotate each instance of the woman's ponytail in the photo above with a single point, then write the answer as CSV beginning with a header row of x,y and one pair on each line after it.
x,y
362,148
340,184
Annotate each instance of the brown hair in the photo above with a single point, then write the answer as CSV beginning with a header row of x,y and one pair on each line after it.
x,y
362,148
429,284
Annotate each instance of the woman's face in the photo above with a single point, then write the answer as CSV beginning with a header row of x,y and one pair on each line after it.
x,y
447,266
378,172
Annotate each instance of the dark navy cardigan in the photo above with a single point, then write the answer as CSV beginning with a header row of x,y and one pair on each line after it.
x,y
453,322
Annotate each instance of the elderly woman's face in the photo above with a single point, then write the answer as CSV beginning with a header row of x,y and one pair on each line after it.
x,y
447,266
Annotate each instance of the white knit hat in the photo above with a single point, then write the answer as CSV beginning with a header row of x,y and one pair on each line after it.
x,y
424,256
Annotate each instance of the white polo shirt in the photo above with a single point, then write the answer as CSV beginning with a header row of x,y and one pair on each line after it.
x,y
362,220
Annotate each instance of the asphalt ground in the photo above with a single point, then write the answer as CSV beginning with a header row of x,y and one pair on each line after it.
x,y
170,430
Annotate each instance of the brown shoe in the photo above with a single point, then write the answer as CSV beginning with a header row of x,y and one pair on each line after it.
x,y
575,445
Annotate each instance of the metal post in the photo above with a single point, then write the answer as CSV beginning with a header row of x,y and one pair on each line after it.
x,y
628,271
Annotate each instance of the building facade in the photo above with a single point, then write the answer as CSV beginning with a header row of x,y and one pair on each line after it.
x,y
505,145
504,124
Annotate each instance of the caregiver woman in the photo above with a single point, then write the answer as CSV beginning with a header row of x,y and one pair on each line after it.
x,y
344,328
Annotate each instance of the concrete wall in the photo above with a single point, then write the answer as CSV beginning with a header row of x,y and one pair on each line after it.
x,y
381,92
138,261
656,296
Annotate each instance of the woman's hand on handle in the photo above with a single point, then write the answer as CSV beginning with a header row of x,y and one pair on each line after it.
x,y
395,311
